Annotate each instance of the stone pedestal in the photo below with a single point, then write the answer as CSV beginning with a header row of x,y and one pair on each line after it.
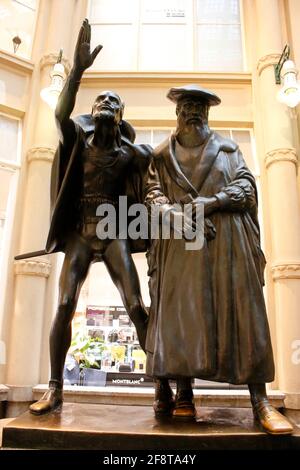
x,y
103,427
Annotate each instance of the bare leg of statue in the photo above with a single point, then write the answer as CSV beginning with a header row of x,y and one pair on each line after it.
x,y
76,264
122,270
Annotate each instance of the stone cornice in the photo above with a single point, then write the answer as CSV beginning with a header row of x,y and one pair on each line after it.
x,y
32,268
166,79
286,271
51,59
267,61
281,155
45,154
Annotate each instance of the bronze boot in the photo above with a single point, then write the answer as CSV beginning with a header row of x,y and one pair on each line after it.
x,y
270,419
164,398
184,400
50,401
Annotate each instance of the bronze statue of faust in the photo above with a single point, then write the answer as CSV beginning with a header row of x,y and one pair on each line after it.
x,y
207,317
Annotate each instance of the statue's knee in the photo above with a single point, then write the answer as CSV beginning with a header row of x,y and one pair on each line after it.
x,y
65,309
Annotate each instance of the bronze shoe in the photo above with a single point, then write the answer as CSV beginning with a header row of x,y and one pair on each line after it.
x,y
270,419
50,401
164,398
184,404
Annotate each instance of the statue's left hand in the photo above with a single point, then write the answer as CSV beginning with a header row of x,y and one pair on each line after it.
x,y
83,57
210,204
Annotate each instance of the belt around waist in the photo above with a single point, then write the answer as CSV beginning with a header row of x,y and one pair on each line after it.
x,y
96,200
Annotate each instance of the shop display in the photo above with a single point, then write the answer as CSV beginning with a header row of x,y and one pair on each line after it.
x,y
106,336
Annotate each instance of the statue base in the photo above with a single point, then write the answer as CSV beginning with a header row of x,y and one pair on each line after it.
x,y
107,427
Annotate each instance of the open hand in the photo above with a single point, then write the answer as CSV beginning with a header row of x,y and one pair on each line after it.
x,y
83,57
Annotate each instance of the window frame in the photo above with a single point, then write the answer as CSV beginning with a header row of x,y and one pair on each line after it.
x,y
191,24
241,23
27,56
9,213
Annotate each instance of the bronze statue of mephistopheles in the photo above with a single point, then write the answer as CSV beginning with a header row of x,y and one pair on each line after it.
x,y
96,162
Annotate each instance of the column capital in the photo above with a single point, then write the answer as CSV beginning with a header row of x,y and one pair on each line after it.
x,y
281,155
45,154
267,61
32,268
286,271
50,59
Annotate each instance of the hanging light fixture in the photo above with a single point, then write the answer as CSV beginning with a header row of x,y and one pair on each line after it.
x,y
286,72
50,94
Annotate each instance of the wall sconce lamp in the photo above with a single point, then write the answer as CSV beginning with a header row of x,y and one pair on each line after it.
x,y
51,93
286,71
16,43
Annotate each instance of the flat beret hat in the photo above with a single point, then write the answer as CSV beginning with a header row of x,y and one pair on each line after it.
x,y
177,93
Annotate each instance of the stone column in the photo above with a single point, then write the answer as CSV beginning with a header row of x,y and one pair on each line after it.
x,y
281,163
31,275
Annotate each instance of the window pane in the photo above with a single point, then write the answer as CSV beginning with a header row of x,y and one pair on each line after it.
x,y
219,48
5,182
17,18
224,133
8,138
112,11
243,138
164,11
160,135
119,47
5,179
143,136
218,11
164,47
28,3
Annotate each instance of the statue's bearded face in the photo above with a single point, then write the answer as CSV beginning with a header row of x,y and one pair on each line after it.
x,y
108,106
191,110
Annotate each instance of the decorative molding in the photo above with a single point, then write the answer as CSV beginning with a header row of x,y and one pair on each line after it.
x,y
32,268
15,112
267,61
16,63
51,59
286,271
281,155
165,79
44,154
8,167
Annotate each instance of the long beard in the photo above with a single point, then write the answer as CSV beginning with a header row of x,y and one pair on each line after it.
x,y
192,135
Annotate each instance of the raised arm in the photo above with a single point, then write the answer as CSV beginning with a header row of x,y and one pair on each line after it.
x,y
83,58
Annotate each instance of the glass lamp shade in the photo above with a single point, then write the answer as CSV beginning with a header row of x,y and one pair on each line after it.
x,y
289,94
51,93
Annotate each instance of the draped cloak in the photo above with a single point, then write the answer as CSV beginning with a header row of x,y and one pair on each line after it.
x,y
207,316
66,182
